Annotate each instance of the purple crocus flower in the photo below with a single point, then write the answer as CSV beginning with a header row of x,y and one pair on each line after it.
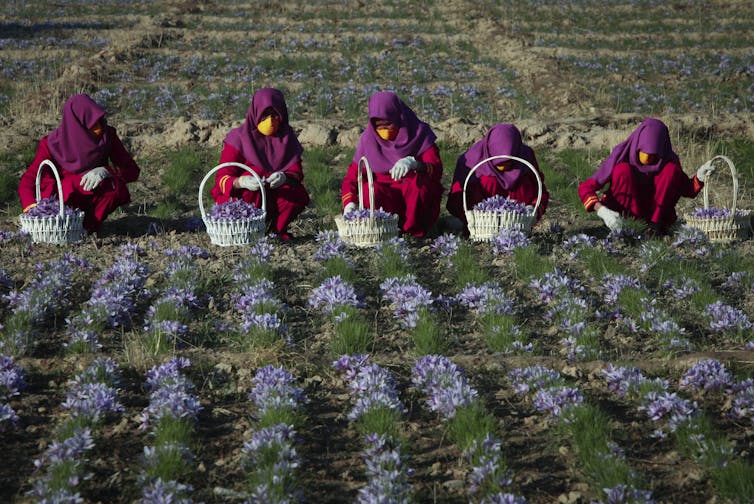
x,y
333,293
533,378
557,400
707,375
725,318
406,297
486,298
274,389
386,473
441,380
234,210
507,240
365,213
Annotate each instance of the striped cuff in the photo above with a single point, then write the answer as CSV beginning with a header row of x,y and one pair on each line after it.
x,y
698,184
590,201
29,207
347,197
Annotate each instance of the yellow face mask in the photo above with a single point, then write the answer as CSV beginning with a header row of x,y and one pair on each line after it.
x,y
268,126
387,132
646,159
504,165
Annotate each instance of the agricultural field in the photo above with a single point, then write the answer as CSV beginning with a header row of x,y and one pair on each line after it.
x,y
569,366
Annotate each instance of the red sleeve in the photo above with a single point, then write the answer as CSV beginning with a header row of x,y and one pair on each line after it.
x,y
432,162
27,185
527,190
295,171
349,190
124,165
588,193
689,187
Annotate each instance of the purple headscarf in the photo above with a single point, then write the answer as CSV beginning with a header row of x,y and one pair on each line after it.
x,y
414,136
270,153
72,145
650,137
501,139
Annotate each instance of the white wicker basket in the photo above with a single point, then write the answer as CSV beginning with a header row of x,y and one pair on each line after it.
x,y
366,232
240,232
737,226
60,228
484,224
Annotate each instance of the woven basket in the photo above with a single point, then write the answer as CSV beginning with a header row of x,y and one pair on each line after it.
x,y
60,228
366,232
240,232
484,224
737,226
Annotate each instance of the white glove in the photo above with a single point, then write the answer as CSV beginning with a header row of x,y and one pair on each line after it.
x,y
276,179
249,182
612,219
402,167
93,177
705,171
349,208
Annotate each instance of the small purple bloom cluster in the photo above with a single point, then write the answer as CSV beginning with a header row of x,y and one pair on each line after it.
x,y
45,298
235,210
708,375
333,294
330,246
271,456
50,207
165,492
93,395
170,394
715,213
445,247
386,472
406,297
500,204
613,284
576,243
65,461
694,238
170,401
507,240
547,389
396,245
274,389
365,214
626,494
557,400
443,383
259,307
533,378
555,284
112,302
737,281
743,400
12,381
486,298
727,319
681,288
372,387
488,473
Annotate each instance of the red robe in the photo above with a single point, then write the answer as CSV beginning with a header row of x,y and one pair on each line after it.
x,y
415,198
284,203
97,204
480,188
650,197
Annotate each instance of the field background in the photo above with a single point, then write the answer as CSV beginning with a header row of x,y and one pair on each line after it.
x,y
575,76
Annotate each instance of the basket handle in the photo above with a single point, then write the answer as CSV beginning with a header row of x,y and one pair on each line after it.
x,y
223,165
734,175
38,188
505,156
370,185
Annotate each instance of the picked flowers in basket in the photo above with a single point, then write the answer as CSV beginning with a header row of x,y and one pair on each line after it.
x,y
364,213
234,210
50,207
501,204
712,213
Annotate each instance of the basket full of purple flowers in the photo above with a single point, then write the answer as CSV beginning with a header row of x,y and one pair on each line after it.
x,y
366,227
721,224
489,216
235,222
50,221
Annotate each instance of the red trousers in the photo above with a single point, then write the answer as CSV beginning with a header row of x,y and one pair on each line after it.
x,y
97,204
649,197
283,204
415,199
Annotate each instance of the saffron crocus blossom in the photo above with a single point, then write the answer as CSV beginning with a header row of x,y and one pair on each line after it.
x,y
165,492
725,318
50,207
330,246
386,472
555,284
170,394
365,214
715,213
486,298
505,241
332,294
705,376
623,381
234,210
372,387
488,469
396,245
274,389
743,400
500,204
613,284
557,400
626,494
574,244
406,297
444,384
12,378
445,247
273,459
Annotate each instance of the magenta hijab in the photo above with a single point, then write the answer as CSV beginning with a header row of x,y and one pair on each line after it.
x,y
651,137
72,145
414,136
501,139
270,153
